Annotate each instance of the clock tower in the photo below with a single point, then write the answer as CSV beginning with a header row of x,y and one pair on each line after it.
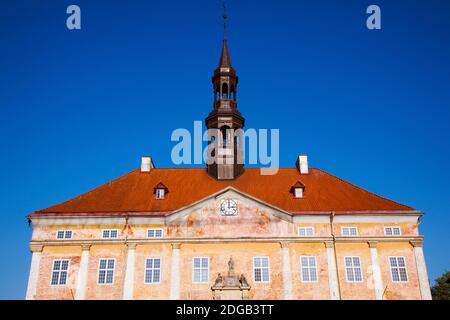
x,y
225,159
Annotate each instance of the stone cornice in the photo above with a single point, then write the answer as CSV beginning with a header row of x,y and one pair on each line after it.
x,y
37,216
142,219
414,240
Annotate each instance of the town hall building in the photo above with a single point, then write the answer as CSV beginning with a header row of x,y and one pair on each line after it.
x,y
227,232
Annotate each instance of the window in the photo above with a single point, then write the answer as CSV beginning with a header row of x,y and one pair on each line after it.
x,y
226,133
109,234
64,234
392,231
353,269
398,269
308,269
306,231
152,270
200,270
217,93
160,193
349,231
59,272
298,189
261,269
106,271
224,91
298,192
154,233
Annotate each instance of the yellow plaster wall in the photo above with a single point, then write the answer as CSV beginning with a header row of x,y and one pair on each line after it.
x,y
355,290
398,290
45,289
377,229
152,291
320,229
79,232
219,255
314,290
106,292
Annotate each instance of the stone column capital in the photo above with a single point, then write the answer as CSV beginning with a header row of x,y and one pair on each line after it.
x,y
416,243
284,244
176,245
131,246
328,244
372,244
85,247
36,247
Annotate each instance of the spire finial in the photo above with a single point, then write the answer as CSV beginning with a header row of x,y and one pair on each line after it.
x,y
225,18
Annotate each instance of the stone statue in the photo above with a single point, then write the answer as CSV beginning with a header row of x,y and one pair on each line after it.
x,y
243,281
231,267
219,280
230,286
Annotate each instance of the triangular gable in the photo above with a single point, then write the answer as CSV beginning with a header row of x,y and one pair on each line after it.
x,y
230,192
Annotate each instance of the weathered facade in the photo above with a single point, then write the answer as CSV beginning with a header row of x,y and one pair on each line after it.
x,y
226,232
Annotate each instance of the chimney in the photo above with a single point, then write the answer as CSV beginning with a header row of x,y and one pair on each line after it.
x,y
146,164
302,164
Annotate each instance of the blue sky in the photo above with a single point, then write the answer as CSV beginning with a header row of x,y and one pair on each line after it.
x,y
79,108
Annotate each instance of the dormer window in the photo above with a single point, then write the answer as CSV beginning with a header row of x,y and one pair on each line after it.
x,y
160,191
298,190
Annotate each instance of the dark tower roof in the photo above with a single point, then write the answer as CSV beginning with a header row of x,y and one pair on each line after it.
x,y
225,61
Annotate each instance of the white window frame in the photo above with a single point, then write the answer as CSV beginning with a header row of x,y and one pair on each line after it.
x,y
349,228
109,233
202,269
392,231
65,233
309,269
59,273
160,193
261,267
298,193
152,270
353,269
398,269
154,233
106,271
313,231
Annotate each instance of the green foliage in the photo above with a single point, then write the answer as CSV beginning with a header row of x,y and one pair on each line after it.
x,y
441,290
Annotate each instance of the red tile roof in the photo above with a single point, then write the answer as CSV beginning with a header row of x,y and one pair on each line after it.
x,y
133,193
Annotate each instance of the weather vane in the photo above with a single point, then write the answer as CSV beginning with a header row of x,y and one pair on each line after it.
x,y
225,18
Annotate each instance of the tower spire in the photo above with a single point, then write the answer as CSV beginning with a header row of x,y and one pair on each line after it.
x,y
225,19
225,61
225,160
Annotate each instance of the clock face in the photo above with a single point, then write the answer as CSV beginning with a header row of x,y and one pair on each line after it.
x,y
228,207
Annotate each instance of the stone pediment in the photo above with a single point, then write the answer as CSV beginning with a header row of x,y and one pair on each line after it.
x,y
231,193
250,218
